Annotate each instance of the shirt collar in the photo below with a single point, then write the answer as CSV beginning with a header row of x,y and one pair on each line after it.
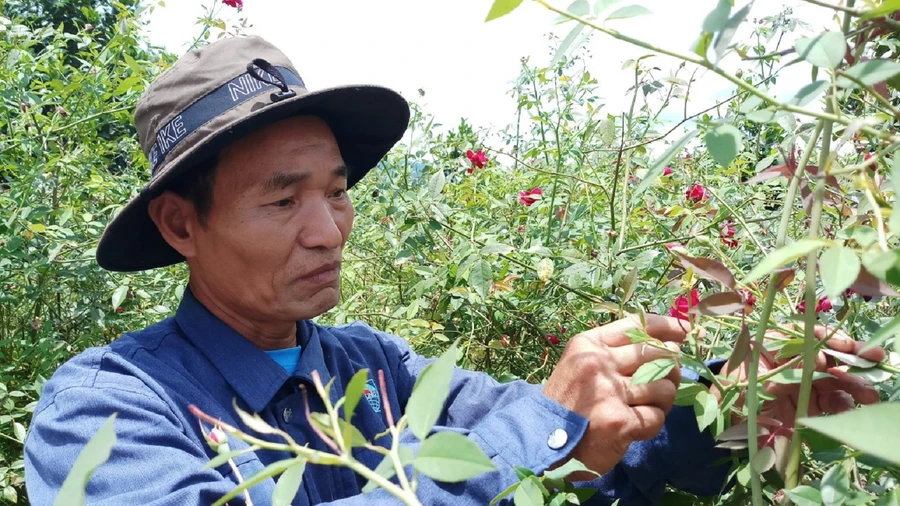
x,y
251,373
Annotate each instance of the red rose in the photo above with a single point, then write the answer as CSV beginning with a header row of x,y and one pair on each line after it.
x,y
237,4
822,305
873,165
528,197
749,299
726,234
552,339
667,171
696,193
478,159
681,305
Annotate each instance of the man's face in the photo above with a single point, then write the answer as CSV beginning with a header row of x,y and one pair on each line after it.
x,y
271,246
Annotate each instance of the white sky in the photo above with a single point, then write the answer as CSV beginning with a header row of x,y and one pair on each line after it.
x,y
464,65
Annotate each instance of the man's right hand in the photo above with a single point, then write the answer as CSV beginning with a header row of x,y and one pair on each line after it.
x,y
593,379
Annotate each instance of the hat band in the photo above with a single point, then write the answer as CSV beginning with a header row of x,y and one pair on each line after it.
x,y
219,101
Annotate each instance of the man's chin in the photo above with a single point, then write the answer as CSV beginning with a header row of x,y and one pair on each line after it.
x,y
310,306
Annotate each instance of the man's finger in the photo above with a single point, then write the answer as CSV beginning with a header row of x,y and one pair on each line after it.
x,y
840,341
835,401
860,389
630,357
664,328
648,421
659,393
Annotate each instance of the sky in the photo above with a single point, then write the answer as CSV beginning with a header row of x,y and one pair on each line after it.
x,y
465,66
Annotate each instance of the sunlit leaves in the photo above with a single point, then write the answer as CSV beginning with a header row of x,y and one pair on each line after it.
x,y
652,371
481,277
724,143
430,392
804,495
119,295
92,456
353,392
884,265
741,349
838,269
451,457
869,73
436,184
706,408
718,17
288,484
884,333
501,8
784,255
825,50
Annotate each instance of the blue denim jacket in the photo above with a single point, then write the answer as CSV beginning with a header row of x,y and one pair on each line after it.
x,y
151,377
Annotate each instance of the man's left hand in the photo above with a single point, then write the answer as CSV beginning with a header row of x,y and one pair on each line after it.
x,y
829,395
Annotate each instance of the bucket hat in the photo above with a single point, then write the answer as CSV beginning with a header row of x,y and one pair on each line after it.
x,y
215,95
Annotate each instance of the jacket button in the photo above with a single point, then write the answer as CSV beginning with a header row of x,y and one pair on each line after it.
x,y
557,439
287,415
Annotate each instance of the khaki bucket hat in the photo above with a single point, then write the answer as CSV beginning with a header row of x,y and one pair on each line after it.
x,y
215,95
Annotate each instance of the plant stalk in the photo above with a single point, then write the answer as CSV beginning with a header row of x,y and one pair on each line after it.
x,y
771,292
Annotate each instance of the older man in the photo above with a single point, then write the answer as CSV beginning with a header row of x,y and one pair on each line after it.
x,y
250,187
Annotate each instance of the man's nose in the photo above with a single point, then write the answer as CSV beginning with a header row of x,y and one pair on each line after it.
x,y
320,227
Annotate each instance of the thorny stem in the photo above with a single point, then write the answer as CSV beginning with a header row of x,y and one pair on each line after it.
x,y
771,290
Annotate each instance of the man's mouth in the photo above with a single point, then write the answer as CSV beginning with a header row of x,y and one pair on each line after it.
x,y
327,273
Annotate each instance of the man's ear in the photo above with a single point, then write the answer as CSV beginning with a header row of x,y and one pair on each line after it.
x,y
176,219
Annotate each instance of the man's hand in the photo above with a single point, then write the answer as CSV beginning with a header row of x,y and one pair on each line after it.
x,y
593,379
829,395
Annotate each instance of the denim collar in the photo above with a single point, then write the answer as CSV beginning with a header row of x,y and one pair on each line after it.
x,y
251,373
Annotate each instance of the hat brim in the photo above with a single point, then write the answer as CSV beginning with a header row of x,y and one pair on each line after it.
x,y
367,121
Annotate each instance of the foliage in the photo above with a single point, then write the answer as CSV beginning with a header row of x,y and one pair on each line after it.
x,y
569,218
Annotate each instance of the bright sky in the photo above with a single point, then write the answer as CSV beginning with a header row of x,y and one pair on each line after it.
x,y
464,65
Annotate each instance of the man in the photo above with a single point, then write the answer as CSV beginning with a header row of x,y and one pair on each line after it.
x,y
249,187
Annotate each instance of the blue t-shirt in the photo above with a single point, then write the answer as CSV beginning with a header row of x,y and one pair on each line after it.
x,y
287,358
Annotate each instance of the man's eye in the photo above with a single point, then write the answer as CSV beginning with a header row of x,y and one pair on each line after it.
x,y
283,203
340,193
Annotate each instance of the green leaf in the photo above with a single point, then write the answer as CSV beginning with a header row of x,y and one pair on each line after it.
x,y
629,11
499,497
354,392
723,39
529,493
724,143
687,392
253,422
886,7
436,184
566,42
501,8
119,295
741,349
808,93
19,431
825,50
580,8
784,255
708,268
764,460
804,495
386,469
288,484
835,486
451,457
496,247
262,475
869,73
849,358
600,5
94,454
429,394
838,268
791,376
571,466
884,332
481,277
716,20
762,115
10,495
652,371
706,408
223,458
884,265
703,43
656,168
